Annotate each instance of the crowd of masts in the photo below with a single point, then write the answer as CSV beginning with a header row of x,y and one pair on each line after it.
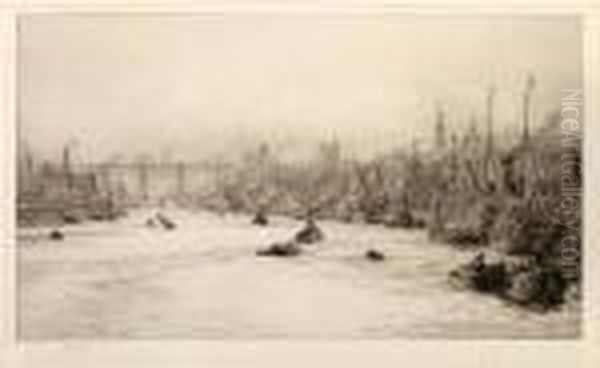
x,y
469,190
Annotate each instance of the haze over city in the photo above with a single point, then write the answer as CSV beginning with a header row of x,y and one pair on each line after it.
x,y
196,86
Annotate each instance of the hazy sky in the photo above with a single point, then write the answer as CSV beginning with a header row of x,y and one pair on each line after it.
x,y
204,84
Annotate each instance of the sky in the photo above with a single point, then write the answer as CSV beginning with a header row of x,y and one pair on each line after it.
x,y
198,86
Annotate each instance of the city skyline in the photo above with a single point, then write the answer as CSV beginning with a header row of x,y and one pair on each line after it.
x,y
198,85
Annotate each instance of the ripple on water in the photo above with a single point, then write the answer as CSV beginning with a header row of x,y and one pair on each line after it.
x,y
202,280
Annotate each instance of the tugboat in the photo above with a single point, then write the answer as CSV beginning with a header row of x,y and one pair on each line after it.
x,y
56,235
310,234
285,249
375,255
166,222
260,219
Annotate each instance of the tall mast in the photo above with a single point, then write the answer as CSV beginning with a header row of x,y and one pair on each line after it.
x,y
531,82
66,167
490,120
440,129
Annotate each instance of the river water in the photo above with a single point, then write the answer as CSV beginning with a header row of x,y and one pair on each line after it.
x,y
202,281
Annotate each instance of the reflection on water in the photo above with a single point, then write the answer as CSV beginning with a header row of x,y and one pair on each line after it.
x,y
202,280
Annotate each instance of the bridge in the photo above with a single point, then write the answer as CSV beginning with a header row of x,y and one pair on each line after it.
x,y
150,181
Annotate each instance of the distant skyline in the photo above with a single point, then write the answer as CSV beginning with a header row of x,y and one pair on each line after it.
x,y
197,86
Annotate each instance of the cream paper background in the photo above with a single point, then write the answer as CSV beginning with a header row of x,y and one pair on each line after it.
x,y
393,353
